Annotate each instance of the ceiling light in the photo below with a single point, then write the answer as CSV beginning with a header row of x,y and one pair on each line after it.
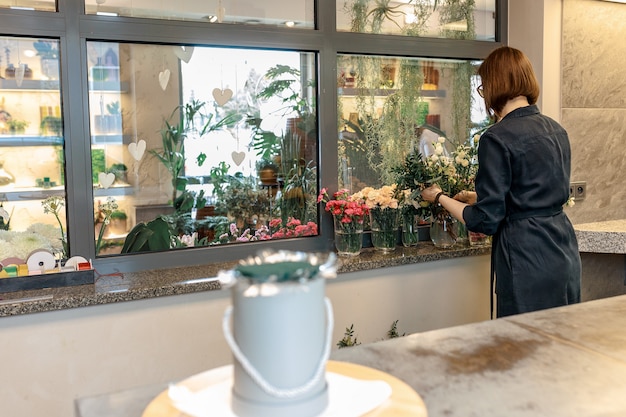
x,y
22,8
211,18
616,1
290,24
106,13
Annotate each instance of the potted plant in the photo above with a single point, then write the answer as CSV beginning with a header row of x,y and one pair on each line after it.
x,y
51,126
244,202
118,222
267,171
17,127
48,51
120,171
299,193
286,84
113,120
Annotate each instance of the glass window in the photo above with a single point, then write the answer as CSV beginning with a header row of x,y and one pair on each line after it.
x,y
389,107
32,191
294,13
450,19
42,5
205,145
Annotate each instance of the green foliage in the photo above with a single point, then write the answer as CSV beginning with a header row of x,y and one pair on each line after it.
x,y
384,10
455,11
392,333
357,10
148,237
52,124
201,200
114,107
219,179
98,164
46,49
285,83
119,215
265,143
349,339
17,126
242,200
185,118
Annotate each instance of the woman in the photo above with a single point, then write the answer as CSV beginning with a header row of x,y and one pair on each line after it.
x,y
521,186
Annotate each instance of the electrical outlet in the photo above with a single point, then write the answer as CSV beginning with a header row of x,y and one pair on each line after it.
x,y
578,190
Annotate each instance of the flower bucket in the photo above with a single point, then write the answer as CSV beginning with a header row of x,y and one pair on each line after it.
x,y
280,337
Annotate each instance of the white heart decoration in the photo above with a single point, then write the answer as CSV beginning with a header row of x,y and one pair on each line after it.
x,y
136,150
106,179
222,96
184,53
164,78
238,157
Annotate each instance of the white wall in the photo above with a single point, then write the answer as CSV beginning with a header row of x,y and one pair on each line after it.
x,y
50,359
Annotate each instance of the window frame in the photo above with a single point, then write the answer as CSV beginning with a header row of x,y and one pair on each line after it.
x,y
73,28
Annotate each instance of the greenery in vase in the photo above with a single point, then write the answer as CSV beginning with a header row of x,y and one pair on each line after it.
x,y
105,212
53,205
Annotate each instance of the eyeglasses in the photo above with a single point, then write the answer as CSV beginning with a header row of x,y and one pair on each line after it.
x,y
480,91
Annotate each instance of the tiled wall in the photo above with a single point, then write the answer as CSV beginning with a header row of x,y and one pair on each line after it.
x,y
594,105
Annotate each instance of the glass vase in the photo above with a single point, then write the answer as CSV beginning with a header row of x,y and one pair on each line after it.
x,y
410,223
479,239
384,226
462,234
443,230
348,236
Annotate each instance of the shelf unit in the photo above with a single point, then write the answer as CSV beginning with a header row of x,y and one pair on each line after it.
x,y
384,92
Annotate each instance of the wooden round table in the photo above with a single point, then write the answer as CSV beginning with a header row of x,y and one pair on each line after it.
x,y
404,401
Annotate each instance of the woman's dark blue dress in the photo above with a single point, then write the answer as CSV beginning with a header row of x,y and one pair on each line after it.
x,y
522,185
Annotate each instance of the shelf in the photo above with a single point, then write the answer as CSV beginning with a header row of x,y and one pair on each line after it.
x,y
29,85
115,190
108,86
384,92
30,140
110,138
10,193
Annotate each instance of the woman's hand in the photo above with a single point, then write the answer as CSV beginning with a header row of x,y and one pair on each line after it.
x,y
430,193
468,197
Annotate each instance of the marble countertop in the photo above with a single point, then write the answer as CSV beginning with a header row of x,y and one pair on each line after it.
x,y
602,237
562,362
120,287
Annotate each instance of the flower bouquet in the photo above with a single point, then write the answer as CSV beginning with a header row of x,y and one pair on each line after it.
x,y
349,213
383,205
453,171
